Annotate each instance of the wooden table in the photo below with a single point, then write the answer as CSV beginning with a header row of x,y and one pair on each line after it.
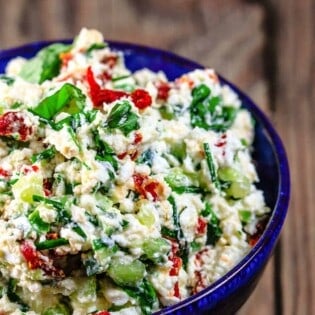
x,y
266,47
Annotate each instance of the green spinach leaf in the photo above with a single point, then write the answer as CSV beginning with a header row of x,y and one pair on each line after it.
x,y
45,65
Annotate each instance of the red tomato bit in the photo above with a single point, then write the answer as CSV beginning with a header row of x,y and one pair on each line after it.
x,y
98,95
47,183
163,91
12,123
141,98
102,313
176,290
201,226
36,260
4,173
143,185
138,138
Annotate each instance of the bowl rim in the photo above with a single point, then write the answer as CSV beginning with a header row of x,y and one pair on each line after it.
x,y
278,214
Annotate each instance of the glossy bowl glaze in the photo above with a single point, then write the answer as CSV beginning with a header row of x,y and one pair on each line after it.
x,y
228,294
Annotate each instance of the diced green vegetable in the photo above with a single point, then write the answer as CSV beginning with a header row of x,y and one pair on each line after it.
x,y
167,112
145,215
237,185
239,189
53,243
123,118
228,174
156,249
45,65
245,216
37,222
126,273
27,186
181,183
86,290
47,155
103,249
68,98
179,150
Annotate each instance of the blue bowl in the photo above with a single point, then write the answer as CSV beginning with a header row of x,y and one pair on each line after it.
x,y
229,293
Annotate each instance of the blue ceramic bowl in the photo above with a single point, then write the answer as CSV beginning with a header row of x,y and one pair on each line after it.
x,y
228,294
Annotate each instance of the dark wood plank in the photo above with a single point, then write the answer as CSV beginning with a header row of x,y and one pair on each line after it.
x,y
294,117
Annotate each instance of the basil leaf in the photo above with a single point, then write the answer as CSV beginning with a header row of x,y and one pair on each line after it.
x,y
145,295
47,154
208,112
45,65
122,117
104,151
69,99
214,230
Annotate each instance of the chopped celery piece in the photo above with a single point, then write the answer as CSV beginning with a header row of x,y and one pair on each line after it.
x,y
37,222
228,174
239,189
86,291
126,273
181,183
145,215
155,249
27,186
179,150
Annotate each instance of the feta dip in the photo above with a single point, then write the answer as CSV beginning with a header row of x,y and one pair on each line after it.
x,y
121,192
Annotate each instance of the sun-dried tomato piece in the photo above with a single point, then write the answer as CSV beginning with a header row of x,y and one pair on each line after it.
x,y
163,89
35,260
13,124
102,313
201,226
98,95
144,184
141,98
176,290
4,173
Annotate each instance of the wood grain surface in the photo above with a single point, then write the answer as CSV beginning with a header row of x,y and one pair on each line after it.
x,y
266,47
